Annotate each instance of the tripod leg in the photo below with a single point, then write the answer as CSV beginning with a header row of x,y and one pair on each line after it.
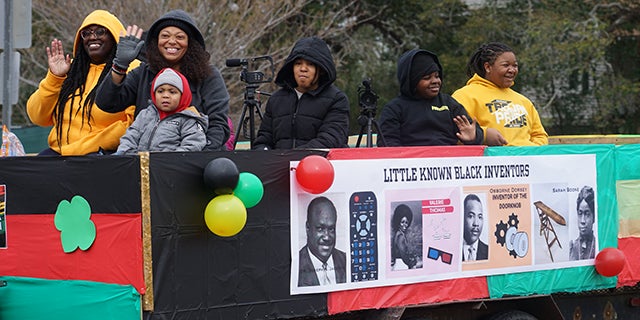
x,y
252,124
380,136
254,105
360,137
240,124
369,134
258,111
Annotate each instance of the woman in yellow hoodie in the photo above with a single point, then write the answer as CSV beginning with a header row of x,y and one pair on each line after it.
x,y
506,116
65,97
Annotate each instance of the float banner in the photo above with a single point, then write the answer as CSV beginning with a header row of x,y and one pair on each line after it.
x,y
388,222
568,279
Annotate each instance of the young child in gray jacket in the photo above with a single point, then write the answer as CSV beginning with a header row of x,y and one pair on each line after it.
x,y
170,123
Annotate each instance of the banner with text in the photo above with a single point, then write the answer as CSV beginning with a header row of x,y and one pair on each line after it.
x,y
397,221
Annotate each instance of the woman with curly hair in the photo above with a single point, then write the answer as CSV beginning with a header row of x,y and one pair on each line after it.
x,y
402,257
65,98
173,41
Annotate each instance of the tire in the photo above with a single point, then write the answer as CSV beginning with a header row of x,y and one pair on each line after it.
x,y
512,315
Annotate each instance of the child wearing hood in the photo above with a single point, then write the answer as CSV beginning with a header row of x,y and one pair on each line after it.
x,y
308,111
422,115
173,41
170,123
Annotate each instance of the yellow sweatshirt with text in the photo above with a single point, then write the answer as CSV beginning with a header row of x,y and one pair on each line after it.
x,y
79,137
504,109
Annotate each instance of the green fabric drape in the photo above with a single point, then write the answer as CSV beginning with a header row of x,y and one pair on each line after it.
x,y
35,299
567,279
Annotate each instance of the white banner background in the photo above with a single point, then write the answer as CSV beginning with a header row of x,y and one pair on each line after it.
x,y
434,188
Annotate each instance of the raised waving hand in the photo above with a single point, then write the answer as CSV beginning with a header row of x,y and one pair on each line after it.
x,y
59,62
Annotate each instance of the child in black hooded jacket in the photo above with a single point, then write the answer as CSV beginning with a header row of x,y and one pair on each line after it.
x,y
308,111
422,115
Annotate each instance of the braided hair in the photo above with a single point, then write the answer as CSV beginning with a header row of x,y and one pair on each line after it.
x,y
73,87
488,52
194,65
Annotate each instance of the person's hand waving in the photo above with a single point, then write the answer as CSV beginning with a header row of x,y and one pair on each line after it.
x,y
467,130
129,47
59,63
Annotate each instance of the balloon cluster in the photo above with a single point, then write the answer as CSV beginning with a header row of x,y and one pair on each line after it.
x,y
226,213
315,174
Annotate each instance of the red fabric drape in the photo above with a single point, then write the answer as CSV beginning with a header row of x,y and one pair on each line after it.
x,y
631,271
34,250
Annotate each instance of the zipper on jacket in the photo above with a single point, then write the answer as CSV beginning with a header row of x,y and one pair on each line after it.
x,y
293,122
153,133
155,128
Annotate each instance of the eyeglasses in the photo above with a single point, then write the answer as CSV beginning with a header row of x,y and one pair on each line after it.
x,y
98,32
444,256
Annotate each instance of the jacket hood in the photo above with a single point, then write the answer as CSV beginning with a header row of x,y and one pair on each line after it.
x,y
404,69
312,49
177,18
185,99
479,80
102,18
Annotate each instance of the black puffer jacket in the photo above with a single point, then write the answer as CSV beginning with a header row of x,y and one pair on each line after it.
x,y
318,119
409,120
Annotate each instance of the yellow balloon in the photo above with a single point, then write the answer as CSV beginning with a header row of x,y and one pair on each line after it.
x,y
225,215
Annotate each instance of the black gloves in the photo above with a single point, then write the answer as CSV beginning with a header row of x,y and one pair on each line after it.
x,y
128,49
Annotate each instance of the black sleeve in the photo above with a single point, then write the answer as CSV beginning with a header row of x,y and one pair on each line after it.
x,y
215,105
113,98
458,110
264,137
390,122
334,130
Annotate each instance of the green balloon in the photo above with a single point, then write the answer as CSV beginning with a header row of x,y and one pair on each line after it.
x,y
249,189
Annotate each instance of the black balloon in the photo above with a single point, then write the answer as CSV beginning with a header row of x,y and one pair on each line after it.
x,y
221,175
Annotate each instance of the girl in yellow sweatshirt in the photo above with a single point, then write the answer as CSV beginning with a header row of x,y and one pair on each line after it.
x,y
506,116
65,97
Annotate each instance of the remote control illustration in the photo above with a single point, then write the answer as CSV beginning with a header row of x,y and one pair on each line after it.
x,y
363,209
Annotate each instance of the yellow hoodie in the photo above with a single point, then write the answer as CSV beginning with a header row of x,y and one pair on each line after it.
x,y
78,136
503,109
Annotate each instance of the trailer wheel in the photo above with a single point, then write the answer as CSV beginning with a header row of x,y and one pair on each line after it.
x,y
513,315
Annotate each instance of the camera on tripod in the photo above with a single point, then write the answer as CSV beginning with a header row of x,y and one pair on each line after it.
x,y
252,80
368,99
253,77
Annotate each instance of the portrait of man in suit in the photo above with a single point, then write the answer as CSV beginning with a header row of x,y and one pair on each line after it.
x,y
320,262
473,248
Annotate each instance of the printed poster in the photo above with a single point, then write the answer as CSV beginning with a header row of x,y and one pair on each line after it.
x,y
397,221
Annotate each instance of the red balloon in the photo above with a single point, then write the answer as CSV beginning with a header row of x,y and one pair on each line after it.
x,y
610,261
315,174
